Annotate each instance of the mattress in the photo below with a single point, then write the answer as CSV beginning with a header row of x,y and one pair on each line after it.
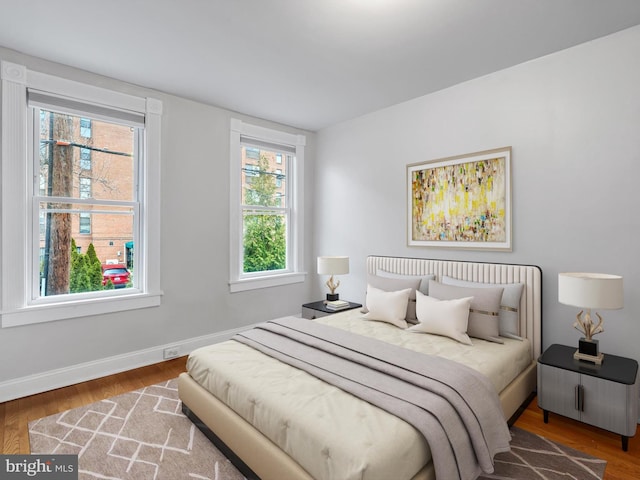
x,y
303,415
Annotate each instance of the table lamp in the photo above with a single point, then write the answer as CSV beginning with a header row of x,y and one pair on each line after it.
x,y
333,266
590,291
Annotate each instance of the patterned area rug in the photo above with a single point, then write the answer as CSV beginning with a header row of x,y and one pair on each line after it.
x,y
138,435
143,435
535,457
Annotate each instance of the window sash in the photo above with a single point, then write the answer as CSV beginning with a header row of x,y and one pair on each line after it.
x,y
99,206
278,210
85,224
282,213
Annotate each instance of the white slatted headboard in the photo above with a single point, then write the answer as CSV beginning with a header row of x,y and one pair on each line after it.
x,y
529,275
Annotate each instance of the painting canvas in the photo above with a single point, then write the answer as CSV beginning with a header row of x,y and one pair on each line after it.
x,y
462,201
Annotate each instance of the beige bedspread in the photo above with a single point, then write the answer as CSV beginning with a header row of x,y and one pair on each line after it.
x,y
356,440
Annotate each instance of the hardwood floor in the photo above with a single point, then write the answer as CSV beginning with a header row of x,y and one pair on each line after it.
x,y
594,441
16,414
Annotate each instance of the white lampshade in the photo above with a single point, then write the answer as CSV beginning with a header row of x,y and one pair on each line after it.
x,y
333,265
591,290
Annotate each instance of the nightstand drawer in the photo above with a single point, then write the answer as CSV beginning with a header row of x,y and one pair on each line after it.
x,y
312,314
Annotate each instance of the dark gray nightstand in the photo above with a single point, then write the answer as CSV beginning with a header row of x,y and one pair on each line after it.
x,y
604,396
318,309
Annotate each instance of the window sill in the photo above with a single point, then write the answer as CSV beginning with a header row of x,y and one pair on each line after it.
x,y
266,282
73,309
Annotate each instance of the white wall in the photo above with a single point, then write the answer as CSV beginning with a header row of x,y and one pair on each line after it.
x,y
195,259
573,120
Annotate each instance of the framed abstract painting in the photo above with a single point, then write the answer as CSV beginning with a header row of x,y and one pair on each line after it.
x,y
462,201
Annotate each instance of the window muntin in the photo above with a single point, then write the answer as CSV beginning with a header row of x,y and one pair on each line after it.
x,y
95,199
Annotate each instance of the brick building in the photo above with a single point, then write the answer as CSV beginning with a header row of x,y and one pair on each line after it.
x,y
103,169
276,166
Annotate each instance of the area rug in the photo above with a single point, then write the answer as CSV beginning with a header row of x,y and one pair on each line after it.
x,y
144,435
140,435
535,457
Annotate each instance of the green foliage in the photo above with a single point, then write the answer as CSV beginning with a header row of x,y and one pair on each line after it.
x,y
95,269
264,243
262,188
265,246
130,281
86,270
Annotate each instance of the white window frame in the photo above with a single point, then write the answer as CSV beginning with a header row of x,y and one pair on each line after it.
x,y
240,281
16,304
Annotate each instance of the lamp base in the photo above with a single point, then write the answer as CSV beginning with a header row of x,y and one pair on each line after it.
x,y
589,358
588,351
332,297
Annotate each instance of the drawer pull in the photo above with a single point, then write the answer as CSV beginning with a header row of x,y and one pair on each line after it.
x,y
579,398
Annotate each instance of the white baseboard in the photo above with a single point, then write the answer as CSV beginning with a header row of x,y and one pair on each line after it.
x,y
62,377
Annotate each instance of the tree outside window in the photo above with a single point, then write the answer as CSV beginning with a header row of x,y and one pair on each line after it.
x,y
264,224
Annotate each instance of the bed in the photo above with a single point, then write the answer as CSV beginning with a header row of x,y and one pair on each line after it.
x,y
305,429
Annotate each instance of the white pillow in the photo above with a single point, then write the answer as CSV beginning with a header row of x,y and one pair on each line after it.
x,y
390,307
389,284
443,317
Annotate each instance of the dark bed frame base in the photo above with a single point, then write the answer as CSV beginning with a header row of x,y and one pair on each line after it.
x,y
521,409
220,445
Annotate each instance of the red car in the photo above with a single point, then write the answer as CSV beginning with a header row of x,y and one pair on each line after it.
x,y
117,273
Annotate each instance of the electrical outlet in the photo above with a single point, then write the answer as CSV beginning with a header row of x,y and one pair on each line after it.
x,y
171,352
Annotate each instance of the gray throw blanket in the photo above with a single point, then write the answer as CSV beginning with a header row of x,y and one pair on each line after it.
x,y
456,408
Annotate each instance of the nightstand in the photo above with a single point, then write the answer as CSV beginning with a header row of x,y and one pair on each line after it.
x,y
604,396
318,309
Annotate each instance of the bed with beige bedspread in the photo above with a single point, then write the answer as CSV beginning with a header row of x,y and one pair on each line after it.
x,y
283,422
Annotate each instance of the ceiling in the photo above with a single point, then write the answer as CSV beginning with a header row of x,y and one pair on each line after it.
x,y
303,63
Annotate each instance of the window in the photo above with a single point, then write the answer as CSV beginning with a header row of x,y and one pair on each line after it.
x,y
85,127
85,227
81,193
85,158
250,171
85,187
266,207
253,153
